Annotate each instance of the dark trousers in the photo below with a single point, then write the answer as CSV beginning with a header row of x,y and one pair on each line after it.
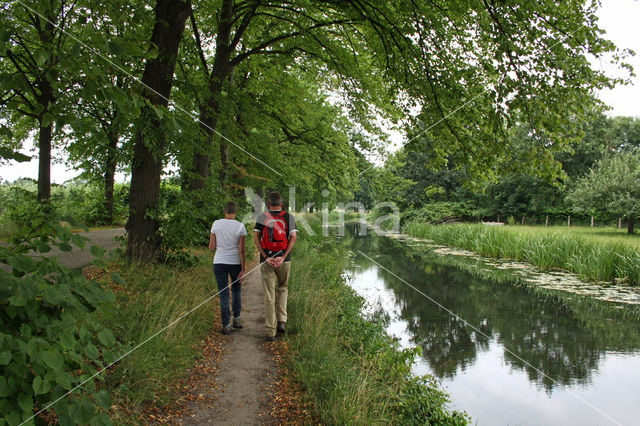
x,y
222,273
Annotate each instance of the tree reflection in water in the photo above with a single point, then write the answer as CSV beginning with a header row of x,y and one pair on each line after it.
x,y
564,341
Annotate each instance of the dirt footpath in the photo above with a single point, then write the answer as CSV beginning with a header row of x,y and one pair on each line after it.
x,y
244,374
240,379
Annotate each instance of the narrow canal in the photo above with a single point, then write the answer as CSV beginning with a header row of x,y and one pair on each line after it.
x,y
526,358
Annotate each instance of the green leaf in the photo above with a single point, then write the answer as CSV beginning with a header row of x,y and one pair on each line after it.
x,y
99,263
22,263
6,132
41,56
54,296
25,330
18,300
4,35
105,336
5,357
176,124
157,110
117,278
13,418
91,351
25,402
84,334
102,419
79,240
42,247
41,386
116,48
5,390
65,246
52,76
68,340
10,154
63,379
103,398
76,49
97,251
4,38
82,411
53,359
47,119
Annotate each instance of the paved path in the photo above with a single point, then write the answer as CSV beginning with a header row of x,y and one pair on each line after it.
x,y
78,257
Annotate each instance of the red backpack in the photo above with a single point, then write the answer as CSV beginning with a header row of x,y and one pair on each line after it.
x,y
274,234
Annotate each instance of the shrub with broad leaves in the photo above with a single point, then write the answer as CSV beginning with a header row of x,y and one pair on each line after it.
x,y
51,339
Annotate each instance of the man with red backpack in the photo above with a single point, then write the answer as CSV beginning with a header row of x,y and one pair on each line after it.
x,y
275,234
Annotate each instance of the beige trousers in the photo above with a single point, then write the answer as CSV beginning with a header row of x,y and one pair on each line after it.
x,y
275,282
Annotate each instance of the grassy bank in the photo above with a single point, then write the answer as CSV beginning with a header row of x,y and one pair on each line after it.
x,y
591,257
351,369
154,296
597,234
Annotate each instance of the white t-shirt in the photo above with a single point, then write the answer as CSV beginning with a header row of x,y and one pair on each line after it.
x,y
228,233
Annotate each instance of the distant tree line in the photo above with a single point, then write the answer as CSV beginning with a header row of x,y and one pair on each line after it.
x,y
597,175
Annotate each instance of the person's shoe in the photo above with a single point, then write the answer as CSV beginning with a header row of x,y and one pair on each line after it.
x,y
271,338
281,328
237,323
226,330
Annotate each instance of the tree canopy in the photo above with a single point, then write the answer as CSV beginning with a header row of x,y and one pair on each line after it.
x,y
271,94
613,185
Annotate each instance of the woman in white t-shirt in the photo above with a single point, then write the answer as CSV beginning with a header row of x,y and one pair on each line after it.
x,y
227,239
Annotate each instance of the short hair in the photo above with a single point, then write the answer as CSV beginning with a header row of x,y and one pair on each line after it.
x,y
230,208
274,199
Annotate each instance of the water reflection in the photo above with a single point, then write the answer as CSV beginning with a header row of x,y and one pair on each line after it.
x,y
569,342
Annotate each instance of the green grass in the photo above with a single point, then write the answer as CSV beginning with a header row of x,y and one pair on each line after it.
x,y
153,297
598,234
599,254
352,371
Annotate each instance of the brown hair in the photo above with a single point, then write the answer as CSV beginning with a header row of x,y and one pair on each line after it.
x,y
274,199
230,208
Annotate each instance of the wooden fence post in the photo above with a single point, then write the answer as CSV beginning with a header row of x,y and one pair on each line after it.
x,y
619,223
569,220
546,222
592,221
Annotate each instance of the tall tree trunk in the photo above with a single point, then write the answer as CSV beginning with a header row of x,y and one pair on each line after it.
x,y
210,109
110,173
149,139
46,100
631,225
196,178
223,175
44,163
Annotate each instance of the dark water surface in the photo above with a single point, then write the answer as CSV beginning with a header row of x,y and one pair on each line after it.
x,y
582,366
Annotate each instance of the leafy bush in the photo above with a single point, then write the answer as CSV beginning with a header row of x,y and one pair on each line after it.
x,y
85,203
185,220
18,204
51,340
443,212
77,202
